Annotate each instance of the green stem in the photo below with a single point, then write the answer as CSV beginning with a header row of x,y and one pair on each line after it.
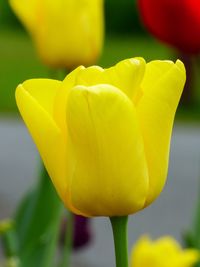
x,y
58,74
119,227
68,241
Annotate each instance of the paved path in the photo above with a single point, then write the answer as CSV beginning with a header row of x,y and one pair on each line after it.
x,y
170,214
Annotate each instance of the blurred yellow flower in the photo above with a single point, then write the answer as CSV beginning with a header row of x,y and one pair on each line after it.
x,y
5,225
164,252
10,262
104,134
66,33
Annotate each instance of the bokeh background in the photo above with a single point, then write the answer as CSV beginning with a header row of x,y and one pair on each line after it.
x,y
173,213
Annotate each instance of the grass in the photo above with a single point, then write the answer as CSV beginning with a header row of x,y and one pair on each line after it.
x,y
18,62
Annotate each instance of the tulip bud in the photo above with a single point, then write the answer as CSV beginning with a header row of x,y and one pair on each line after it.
x,y
66,33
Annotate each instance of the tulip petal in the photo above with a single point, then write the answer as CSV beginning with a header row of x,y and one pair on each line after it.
x,y
26,12
44,91
142,252
31,100
162,87
153,253
189,257
108,148
125,75
36,100
62,95
91,76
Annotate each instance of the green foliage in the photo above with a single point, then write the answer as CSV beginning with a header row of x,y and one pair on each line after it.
x,y
122,17
7,18
33,240
37,225
18,62
192,237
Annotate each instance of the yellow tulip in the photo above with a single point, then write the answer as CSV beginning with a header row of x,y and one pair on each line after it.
x,y
164,252
66,33
104,134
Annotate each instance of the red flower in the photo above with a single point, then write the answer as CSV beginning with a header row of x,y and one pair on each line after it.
x,y
175,22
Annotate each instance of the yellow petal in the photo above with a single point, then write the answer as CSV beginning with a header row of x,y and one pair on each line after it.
x,y
143,254
44,91
62,96
167,243
188,258
125,75
26,12
163,252
90,76
162,87
35,100
110,177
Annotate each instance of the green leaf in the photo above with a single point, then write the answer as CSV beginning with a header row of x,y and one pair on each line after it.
x,y
189,239
37,225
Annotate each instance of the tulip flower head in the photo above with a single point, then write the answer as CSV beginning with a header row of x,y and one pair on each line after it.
x,y
104,134
66,33
164,252
175,22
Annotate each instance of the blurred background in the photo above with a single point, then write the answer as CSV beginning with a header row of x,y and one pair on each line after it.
x,y
125,36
